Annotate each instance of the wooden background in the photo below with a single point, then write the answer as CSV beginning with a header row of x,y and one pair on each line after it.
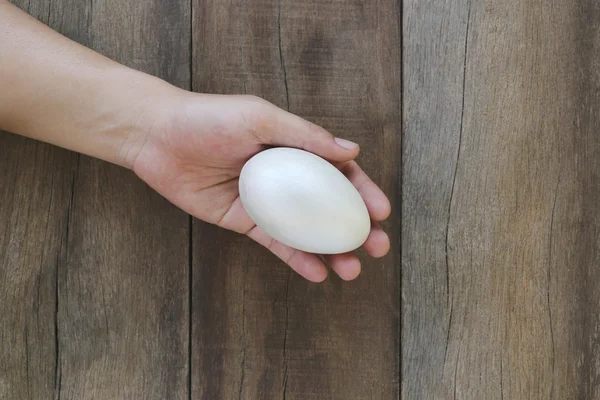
x,y
477,118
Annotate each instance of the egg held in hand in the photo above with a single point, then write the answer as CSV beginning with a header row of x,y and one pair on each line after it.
x,y
303,201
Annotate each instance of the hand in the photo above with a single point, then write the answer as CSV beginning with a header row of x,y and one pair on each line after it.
x,y
196,146
189,147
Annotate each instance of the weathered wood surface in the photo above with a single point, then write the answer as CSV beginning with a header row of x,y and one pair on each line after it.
x,y
272,334
108,291
501,200
94,265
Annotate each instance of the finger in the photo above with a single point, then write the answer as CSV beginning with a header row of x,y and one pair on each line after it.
x,y
236,218
346,265
230,215
281,128
376,201
305,264
378,243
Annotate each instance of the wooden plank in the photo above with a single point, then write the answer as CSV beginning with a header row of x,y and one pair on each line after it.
x,y
100,309
35,189
433,61
260,331
501,198
125,277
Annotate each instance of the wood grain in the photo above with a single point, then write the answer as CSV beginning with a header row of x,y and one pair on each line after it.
x,y
500,213
258,330
501,204
125,277
35,190
95,264
34,194
434,37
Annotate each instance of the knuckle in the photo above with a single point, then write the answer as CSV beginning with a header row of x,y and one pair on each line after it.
x,y
316,129
251,98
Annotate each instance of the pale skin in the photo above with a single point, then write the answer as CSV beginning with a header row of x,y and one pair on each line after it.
x,y
189,147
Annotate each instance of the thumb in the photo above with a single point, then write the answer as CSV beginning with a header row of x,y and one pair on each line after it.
x,y
281,128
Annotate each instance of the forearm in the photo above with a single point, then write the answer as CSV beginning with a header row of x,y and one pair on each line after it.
x,y
57,91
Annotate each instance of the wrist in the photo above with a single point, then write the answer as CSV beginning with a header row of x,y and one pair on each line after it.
x,y
118,122
143,102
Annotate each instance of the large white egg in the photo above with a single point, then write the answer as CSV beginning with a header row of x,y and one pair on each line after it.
x,y
303,201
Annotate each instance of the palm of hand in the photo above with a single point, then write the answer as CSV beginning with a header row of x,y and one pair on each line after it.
x,y
194,154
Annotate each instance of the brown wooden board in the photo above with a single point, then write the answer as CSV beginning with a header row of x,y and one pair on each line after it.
x,y
501,203
500,213
35,189
95,265
259,331
35,193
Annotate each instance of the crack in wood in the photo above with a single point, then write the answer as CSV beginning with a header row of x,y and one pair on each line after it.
x,y
281,59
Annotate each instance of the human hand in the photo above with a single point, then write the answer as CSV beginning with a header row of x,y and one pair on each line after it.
x,y
196,145
189,147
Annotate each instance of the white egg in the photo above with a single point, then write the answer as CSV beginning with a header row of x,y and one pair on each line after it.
x,y
303,201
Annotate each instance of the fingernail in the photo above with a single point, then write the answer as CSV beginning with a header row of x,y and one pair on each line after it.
x,y
346,144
